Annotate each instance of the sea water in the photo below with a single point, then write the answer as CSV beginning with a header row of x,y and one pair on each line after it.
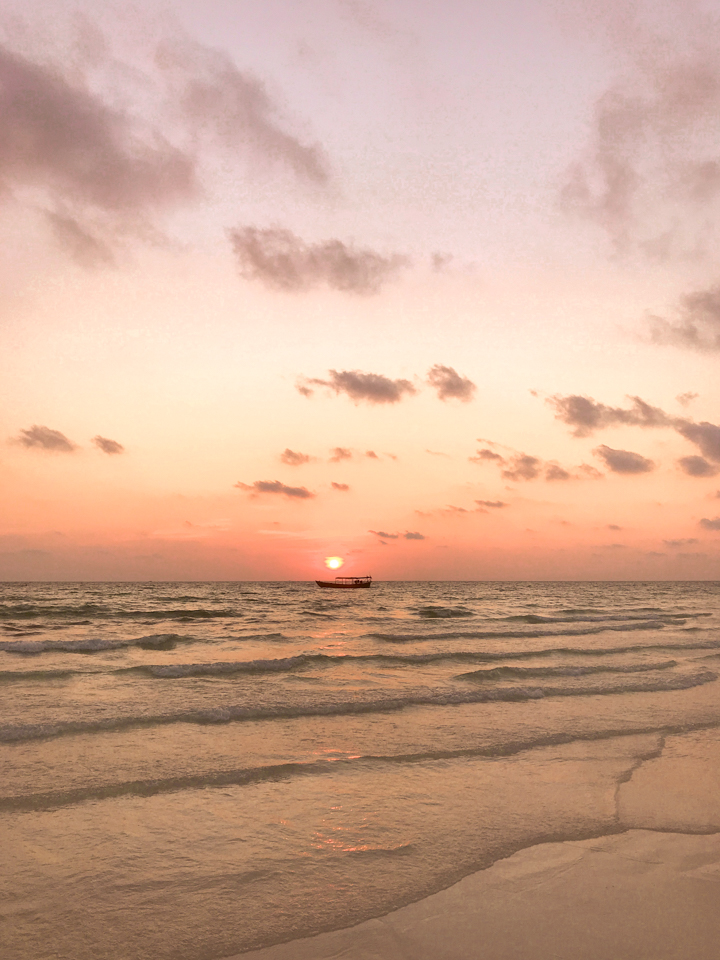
x,y
194,770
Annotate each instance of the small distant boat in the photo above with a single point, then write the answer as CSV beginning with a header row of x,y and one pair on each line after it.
x,y
346,583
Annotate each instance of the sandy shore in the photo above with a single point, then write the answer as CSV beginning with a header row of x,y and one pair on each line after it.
x,y
651,892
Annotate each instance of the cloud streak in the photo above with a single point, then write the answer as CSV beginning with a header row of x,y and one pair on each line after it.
x,y
282,261
360,387
276,488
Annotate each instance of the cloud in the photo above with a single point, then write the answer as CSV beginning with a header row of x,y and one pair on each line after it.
x,y
522,467
704,435
43,438
340,453
384,536
368,387
234,109
650,173
485,455
554,471
623,461
414,535
493,504
687,541
108,446
340,486
697,325
586,416
275,487
685,399
708,524
294,459
613,526
63,137
282,261
371,455
449,384
697,467
77,241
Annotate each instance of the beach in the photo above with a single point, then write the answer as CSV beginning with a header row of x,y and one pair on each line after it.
x,y
446,770
650,890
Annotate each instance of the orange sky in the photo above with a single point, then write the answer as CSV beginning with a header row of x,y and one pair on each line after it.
x,y
430,289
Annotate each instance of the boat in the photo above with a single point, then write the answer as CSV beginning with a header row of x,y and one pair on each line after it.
x,y
346,583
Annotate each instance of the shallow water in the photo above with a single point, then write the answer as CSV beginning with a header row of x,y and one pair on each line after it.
x,y
193,770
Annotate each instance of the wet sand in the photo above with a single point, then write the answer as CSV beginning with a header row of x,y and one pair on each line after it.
x,y
649,892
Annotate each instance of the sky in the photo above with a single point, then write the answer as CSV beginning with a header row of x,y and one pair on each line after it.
x,y
429,287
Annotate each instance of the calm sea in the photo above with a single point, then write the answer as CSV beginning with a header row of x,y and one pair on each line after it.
x,y
194,770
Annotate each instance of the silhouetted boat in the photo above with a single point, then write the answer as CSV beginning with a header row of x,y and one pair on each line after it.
x,y
346,583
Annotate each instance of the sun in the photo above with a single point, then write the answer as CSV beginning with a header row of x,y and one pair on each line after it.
x,y
334,562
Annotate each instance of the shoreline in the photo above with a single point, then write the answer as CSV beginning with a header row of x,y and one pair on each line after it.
x,y
637,894
650,890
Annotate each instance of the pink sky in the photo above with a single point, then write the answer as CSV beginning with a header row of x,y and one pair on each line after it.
x,y
431,288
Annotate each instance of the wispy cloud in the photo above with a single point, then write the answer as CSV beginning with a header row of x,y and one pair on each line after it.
x,y
360,387
651,171
684,542
283,261
294,459
492,504
63,136
44,438
337,454
696,325
623,461
414,535
234,109
276,488
344,487
449,384
108,446
382,535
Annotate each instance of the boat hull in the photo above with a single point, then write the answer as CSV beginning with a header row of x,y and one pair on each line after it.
x,y
329,584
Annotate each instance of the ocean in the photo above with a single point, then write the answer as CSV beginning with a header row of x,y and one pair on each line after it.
x,y
196,770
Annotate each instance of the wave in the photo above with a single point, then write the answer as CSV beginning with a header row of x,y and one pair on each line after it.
x,y
229,668
502,673
241,776
12,733
30,611
442,613
156,641
516,634
595,617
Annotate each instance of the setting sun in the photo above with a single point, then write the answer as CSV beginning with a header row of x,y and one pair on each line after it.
x,y
334,562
